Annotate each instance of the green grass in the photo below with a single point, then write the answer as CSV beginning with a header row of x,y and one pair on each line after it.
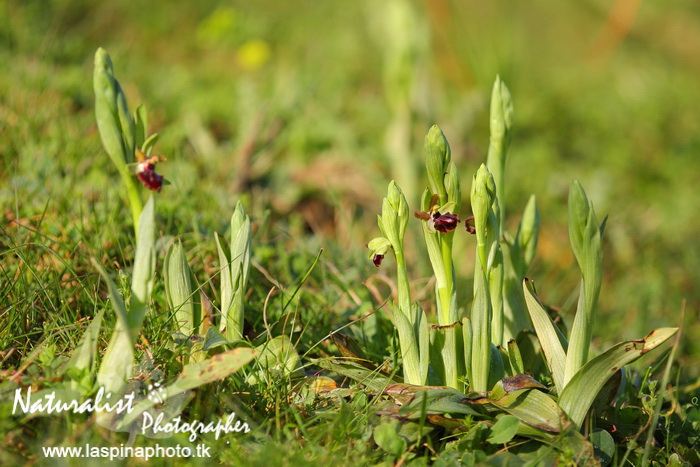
x,y
301,141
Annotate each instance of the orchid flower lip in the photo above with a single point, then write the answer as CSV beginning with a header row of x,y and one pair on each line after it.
x,y
438,222
444,223
146,173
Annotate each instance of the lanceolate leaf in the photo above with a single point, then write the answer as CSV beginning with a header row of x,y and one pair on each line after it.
x,y
533,407
119,356
225,280
143,275
106,112
197,374
410,351
423,342
515,358
580,392
277,358
373,380
439,401
585,238
481,333
504,429
82,363
178,288
116,364
84,356
552,341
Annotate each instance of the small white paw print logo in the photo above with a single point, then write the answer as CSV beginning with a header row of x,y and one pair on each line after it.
x,y
156,394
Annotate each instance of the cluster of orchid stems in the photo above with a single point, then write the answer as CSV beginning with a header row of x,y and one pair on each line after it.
x,y
475,352
458,350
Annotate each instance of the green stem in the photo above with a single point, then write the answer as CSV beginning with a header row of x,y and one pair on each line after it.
x,y
481,332
448,313
134,198
404,287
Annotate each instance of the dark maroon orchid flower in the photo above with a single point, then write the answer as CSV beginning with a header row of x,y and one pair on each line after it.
x,y
444,223
377,260
146,171
437,222
469,224
150,179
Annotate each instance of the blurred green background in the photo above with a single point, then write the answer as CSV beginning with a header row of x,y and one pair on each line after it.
x,y
310,108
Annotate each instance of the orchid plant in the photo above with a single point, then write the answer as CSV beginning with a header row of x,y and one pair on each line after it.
x,y
485,357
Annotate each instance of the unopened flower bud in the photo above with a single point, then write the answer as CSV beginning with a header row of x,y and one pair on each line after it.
x,y
438,156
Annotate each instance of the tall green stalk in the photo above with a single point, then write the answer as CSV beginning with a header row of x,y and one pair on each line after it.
x,y
485,209
585,236
410,321
444,182
501,122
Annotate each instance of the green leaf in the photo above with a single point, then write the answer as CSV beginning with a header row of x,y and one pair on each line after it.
x,y
528,234
234,283
198,374
106,113
277,358
116,364
604,445
501,121
467,343
437,401
529,404
552,341
388,439
515,358
481,333
225,279
140,127
535,408
410,347
119,356
585,238
437,157
495,282
496,366
127,123
147,146
178,288
84,359
84,355
423,342
581,391
483,195
453,187
374,380
213,340
504,430
143,276
116,127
